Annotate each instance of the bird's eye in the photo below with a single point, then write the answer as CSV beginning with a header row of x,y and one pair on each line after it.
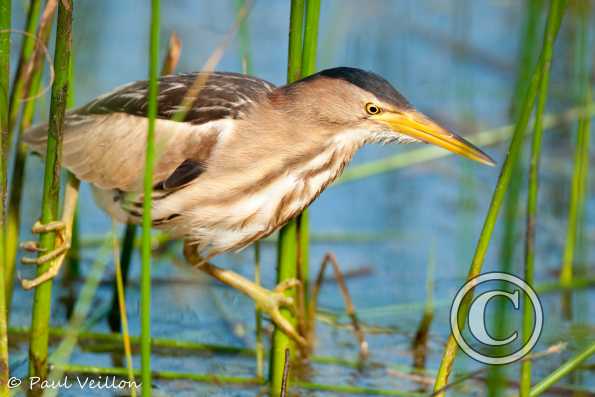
x,y
372,109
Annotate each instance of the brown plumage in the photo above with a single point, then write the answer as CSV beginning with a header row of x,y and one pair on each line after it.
x,y
247,158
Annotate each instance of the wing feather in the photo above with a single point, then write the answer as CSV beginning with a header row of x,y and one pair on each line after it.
x,y
104,141
109,150
222,95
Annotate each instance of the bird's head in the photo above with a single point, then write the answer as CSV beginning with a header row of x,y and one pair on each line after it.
x,y
363,103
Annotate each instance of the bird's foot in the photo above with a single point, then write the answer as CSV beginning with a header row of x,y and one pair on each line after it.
x,y
271,303
55,256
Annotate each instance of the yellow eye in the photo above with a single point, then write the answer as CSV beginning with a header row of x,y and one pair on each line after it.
x,y
372,109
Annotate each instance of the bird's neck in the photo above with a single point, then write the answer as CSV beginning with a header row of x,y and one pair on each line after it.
x,y
315,173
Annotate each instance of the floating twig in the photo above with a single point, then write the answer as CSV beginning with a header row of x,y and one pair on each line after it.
x,y
349,307
286,366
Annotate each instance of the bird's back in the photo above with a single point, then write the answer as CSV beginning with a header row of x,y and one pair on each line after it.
x,y
220,95
104,141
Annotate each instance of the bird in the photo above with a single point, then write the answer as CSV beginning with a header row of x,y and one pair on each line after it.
x,y
246,157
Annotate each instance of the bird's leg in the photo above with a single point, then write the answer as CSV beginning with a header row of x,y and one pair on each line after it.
x,y
270,302
63,230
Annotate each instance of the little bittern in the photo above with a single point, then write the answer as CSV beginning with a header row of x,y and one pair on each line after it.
x,y
247,157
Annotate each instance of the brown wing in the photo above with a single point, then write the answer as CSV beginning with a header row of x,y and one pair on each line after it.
x,y
104,141
221,96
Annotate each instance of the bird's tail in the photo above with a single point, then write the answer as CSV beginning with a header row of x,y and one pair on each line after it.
x,y
36,137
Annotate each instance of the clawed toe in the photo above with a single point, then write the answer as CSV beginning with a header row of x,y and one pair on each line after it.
x,y
271,303
53,226
40,260
31,246
55,256
287,284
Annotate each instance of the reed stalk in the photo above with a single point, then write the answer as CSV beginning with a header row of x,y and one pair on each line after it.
x,y
581,160
244,37
5,21
287,250
562,371
33,76
296,30
286,269
114,316
121,300
145,301
38,347
170,62
419,345
451,348
72,270
23,72
530,41
259,337
62,354
172,57
310,46
531,218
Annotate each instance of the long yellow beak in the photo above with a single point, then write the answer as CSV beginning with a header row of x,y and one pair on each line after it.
x,y
417,125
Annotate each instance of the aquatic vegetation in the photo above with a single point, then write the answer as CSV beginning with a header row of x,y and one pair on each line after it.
x,y
372,326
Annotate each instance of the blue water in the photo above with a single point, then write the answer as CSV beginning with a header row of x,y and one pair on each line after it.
x,y
430,212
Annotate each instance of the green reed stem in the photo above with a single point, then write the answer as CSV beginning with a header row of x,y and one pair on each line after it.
x,y
145,301
310,37
244,37
259,343
114,317
62,354
122,311
308,67
419,345
581,157
525,374
72,270
18,171
562,371
527,56
38,347
286,269
287,250
5,20
296,30
19,87
451,349
170,62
